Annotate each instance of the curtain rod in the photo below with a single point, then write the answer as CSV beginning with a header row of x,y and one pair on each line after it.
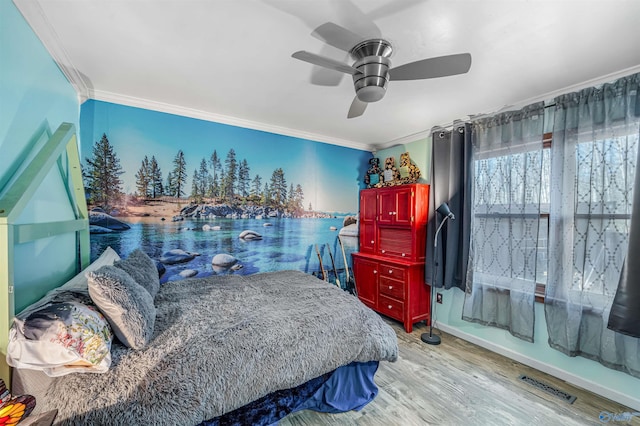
x,y
548,97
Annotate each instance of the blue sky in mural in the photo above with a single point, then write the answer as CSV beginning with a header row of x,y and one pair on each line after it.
x,y
330,175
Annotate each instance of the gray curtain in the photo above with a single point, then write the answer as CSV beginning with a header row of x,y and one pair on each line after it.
x,y
451,177
501,276
625,315
593,164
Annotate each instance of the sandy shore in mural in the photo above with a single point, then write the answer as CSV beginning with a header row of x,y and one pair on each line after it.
x,y
155,208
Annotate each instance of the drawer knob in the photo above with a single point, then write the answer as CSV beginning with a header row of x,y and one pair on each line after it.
x,y
390,306
375,272
372,241
382,251
403,254
391,271
390,287
390,213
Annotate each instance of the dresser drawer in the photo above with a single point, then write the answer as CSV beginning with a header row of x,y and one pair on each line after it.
x,y
390,307
392,288
392,271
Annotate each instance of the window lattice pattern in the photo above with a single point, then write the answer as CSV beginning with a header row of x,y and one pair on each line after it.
x,y
603,195
507,206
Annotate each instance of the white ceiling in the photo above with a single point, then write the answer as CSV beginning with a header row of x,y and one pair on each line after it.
x,y
230,60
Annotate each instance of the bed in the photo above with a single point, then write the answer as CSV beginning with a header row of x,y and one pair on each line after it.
x,y
220,350
223,350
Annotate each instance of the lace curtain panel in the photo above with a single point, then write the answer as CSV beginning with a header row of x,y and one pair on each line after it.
x,y
506,194
594,157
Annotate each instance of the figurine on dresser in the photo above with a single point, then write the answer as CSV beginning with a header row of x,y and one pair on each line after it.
x,y
409,172
372,177
391,174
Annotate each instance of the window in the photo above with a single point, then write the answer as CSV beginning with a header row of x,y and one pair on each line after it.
x,y
510,193
602,212
525,206
603,203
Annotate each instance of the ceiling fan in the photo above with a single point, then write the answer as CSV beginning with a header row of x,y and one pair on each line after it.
x,y
372,69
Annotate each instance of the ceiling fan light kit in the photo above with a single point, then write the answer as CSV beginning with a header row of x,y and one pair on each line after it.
x,y
372,70
371,82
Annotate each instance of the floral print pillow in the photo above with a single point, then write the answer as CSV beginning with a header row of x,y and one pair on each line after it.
x,y
66,335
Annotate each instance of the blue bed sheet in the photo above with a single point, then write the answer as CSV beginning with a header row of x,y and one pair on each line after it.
x,y
347,388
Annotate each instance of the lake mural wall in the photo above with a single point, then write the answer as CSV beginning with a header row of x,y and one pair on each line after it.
x,y
205,198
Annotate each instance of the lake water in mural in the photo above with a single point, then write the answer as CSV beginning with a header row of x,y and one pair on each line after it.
x,y
286,243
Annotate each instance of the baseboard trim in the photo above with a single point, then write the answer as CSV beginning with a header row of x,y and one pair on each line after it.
x,y
589,385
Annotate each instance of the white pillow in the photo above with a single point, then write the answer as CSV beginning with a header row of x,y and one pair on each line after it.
x,y
66,335
51,357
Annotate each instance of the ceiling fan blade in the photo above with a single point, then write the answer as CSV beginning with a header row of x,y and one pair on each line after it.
x,y
357,108
322,76
323,61
337,36
440,66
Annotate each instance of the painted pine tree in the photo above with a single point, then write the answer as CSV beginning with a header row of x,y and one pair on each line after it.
x,y
230,177
143,180
104,186
155,178
178,176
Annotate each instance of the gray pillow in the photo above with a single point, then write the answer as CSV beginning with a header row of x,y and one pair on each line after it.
x,y
142,269
127,305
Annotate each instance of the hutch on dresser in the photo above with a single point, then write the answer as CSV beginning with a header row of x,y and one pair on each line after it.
x,y
389,266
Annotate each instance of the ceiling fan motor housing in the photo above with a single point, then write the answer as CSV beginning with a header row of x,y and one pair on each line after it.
x,y
372,60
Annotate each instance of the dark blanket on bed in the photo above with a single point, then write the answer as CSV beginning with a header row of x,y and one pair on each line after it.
x,y
350,387
271,408
221,342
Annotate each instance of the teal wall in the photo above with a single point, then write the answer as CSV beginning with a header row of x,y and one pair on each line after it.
x,y
420,156
34,96
580,371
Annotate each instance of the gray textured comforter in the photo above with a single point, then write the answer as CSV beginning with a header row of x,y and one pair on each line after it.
x,y
222,342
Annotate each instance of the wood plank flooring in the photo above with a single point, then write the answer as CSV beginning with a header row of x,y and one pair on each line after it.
x,y
459,383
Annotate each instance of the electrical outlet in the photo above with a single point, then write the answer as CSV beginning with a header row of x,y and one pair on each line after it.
x,y
439,297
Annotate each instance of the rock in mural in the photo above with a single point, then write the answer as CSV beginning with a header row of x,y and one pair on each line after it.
x,y
95,229
250,235
177,256
224,260
105,220
188,273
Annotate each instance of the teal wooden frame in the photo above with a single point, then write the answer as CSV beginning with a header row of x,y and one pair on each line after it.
x,y
15,197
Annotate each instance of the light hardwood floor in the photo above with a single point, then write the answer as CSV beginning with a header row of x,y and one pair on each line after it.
x,y
459,383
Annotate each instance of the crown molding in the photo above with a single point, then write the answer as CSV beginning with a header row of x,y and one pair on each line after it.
x,y
404,139
133,101
37,20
